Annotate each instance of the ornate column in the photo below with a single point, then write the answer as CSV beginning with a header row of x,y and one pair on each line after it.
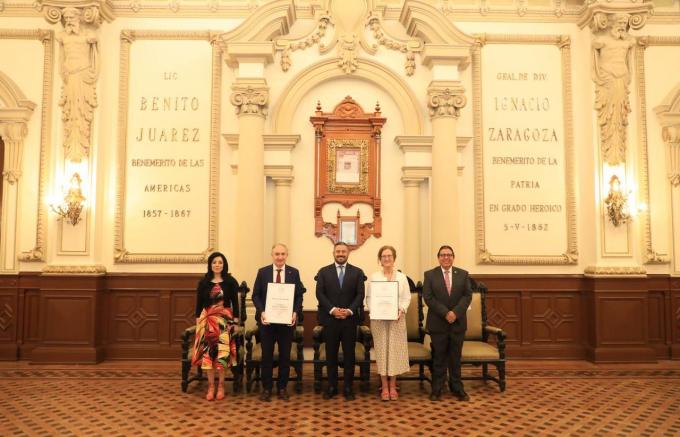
x,y
250,96
12,134
445,99
282,208
412,262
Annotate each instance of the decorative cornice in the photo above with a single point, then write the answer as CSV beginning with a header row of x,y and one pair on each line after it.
x,y
615,271
250,97
423,20
445,99
434,54
265,23
93,12
414,143
236,52
89,270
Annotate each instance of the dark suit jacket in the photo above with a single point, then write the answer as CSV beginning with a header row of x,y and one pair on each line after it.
x,y
439,302
329,294
266,275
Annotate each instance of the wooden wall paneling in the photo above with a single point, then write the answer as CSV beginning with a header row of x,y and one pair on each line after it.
x,y
621,321
9,315
151,312
555,320
71,319
674,318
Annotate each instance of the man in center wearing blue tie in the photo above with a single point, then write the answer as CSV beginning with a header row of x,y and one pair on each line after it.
x,y
271,333
340,292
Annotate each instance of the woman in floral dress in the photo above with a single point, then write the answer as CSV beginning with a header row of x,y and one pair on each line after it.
x,y
216,322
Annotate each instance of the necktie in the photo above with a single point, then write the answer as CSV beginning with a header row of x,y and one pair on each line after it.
x,y
278,276
341,276
447,281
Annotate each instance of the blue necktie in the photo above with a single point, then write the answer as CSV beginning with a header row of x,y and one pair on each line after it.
x,y
341,276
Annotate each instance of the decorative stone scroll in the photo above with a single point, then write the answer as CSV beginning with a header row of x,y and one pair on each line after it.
x,y
250,99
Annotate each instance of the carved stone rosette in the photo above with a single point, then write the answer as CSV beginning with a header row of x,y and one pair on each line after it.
x,y
250,99
445,101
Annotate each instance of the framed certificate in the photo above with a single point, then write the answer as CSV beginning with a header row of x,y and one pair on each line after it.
x,y
383,302
279,305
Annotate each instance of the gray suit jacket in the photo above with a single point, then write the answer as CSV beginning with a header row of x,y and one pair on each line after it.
x,y
439,302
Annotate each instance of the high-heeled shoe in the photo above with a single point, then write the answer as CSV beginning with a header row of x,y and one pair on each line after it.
x,y
210,395
394,394
220,392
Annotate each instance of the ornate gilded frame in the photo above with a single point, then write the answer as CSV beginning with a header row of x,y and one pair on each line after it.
x,y
570,254
347,127
127,37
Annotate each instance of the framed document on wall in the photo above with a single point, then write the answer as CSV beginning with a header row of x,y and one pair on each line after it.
x,y
347,169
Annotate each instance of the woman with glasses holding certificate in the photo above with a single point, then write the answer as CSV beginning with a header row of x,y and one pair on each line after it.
x,y
388,299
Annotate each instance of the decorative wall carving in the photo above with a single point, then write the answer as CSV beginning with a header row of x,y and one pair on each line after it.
x,y
250,99
445,101
350,28
612,69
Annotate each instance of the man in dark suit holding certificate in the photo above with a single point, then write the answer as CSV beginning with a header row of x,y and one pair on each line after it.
x,y
447,293
271,333
340,292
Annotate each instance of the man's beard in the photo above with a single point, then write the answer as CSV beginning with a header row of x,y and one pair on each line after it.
x,y
71,28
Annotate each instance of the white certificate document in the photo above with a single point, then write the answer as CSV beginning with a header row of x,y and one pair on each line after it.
x,y
383,302
279,305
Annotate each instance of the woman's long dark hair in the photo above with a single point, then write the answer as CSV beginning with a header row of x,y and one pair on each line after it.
x,y
209,274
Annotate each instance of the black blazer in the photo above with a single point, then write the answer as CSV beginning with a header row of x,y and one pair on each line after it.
x,y
329,294
266,275
229,289
439,302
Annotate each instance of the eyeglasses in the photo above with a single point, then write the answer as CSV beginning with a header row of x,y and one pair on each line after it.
x,y
387,256
445,255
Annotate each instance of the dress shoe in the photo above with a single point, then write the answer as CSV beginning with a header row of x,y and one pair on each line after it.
x,y
328,394
349,395
282,394
435,396
266,395
461,395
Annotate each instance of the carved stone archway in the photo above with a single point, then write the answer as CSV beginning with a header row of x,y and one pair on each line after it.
x,y
15,111
367,70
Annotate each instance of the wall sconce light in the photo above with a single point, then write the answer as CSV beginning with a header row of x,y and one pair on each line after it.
x,y
616,203
73,203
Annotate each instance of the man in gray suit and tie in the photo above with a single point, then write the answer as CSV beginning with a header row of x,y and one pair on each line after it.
x,y
447,293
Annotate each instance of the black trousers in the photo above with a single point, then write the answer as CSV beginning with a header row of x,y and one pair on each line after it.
x,y
337,332
446,350
283,335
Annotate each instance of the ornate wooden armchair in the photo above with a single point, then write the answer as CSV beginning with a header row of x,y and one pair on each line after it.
x,y
477,349
188,346
419,353
254,355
